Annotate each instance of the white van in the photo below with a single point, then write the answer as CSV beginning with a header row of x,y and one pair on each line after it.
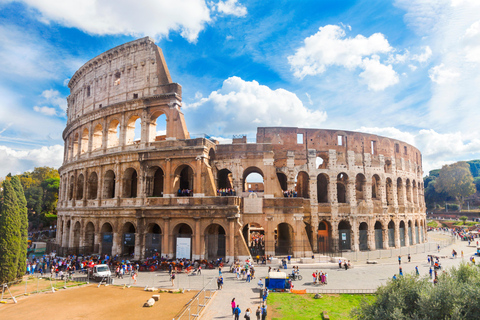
x,y
100,271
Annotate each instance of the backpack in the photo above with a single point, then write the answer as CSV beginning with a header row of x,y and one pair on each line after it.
x,y
237,311
258,312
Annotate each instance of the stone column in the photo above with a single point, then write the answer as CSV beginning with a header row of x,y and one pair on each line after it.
x,y
355,235
168,191
197,185
351,195
397,234
332,190
230,254
166,246
117,244
371,235
105,135
269,236
385,235
197,252
383,193
139,245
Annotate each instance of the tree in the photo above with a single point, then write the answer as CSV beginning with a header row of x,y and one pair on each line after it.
x,y
463,218
9,234
23,224
456,180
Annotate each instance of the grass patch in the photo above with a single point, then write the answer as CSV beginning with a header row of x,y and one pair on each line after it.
x,y
467,223
433,224
305,307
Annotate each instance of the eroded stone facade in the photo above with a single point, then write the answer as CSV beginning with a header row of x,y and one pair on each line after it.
x,y
121,177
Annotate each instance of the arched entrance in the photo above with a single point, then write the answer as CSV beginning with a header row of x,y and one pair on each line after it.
x,y
284,239
131,181
410,234
363,234
107,238
344,230
80,181
67,238
92,186
128,239
76,235
302,186
376,187
224,179
215,242
183,183
89,237
342,180
401,230
282,179
389,191
254,236
323,237
391,234
322,188
417,236
153,240
360,183
183,241
109,185
253,180
378,235
155,182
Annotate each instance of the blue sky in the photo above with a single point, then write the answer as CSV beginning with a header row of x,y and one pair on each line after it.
x,y
406,69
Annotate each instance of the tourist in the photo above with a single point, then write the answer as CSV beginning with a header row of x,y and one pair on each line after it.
x,y
258,313
264,311
172,277
237,312
399,260
247,314
233,305
409,257
416,271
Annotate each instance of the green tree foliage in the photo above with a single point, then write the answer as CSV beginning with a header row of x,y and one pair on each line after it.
x,y
23,224
410,297
474,167
463,218
9,234
455,180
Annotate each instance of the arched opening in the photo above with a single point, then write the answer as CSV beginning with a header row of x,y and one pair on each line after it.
x,y
284,239
376,187
134,130
344,230
92,186
401,231
363,234
84,142
389,191
342,180
75,145
410,233
282,179
415,192
254,235
155,179
89,238
113,137
107,238
153,240
224,181
183,241
76,235
388,166
391,234
71,187
183,182
378,235
324,233
400,192
408,189
360,183
131,182
67,239
215,242
97,138
253,180
158,127
320,162
417,235
302,185
109,185
211,157
128,239
80,182
322,188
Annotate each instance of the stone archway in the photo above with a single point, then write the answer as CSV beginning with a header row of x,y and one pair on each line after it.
x,y
344,234
89,237
284,239
107,239
128,239
363,236
378,235
183,241
153,240
254,236
215,245
391,234
401,231
324,233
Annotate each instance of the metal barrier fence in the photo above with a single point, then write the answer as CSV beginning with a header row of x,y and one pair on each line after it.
x,y
33,285
393,252
196,305
338,291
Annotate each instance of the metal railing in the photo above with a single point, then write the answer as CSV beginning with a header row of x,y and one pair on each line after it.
x,y
338,291
34,285
197,304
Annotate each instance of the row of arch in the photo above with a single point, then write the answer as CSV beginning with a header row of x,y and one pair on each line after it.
x,y
111,134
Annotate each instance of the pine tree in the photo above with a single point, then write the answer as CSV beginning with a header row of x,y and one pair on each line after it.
x,y
23,219
9,234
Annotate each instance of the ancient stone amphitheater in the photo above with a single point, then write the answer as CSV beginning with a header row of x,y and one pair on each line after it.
x,y
134,182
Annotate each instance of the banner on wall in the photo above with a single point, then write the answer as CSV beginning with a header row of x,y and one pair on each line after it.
x,y
183,248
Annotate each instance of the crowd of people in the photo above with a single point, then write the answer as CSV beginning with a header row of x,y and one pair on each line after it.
x,y
290,193
320,277
185,192
226,192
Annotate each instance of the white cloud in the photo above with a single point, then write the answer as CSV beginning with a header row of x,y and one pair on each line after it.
x,y
423,57
19,161
441,75
141,18
239,106
330,47
230,7
377,75
55,98
45,110
222,140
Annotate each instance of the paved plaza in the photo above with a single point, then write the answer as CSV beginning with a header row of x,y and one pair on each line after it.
x,y
361,276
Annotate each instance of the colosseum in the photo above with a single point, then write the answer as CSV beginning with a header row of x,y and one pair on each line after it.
x,y
134,182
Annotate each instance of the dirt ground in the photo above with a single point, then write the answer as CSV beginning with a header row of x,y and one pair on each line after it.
x,y
90,302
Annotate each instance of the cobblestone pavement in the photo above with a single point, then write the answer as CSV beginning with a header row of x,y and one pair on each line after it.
x,y
361,276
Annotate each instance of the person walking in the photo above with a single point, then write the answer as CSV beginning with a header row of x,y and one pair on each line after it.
x,y
416,271
264,312
234,305
399,260
409,257
247,314
258,313
172,277
237,312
